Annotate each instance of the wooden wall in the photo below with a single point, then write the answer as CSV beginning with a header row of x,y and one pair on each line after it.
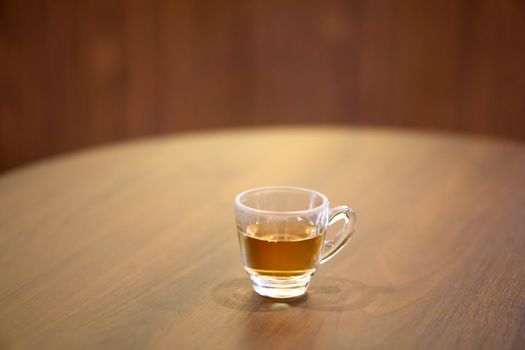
x,y
78,73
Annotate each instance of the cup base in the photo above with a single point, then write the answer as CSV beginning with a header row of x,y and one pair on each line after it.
x,y
280,287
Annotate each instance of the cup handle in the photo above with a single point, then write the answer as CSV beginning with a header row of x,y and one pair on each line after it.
x,y
332,246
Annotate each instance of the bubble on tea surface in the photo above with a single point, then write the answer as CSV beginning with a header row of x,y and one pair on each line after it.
x,y
310,230
251,230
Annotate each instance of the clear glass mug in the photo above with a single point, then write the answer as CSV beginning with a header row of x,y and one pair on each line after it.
x,y
283,237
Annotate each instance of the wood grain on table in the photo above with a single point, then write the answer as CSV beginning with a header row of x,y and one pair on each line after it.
x,y
133,245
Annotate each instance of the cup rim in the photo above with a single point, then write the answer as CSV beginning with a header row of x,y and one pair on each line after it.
x,y
325,203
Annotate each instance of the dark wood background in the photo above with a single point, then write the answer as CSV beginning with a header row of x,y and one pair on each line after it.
x,y
79,73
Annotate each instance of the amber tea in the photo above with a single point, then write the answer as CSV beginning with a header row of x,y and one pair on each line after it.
x,y
280,249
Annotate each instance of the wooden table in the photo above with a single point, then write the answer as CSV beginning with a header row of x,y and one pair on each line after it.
x,y
133,246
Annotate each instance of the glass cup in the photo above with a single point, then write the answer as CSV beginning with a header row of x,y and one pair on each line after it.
x,y
283,237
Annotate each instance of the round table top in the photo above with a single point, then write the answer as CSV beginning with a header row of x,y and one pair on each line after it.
x,y
133,245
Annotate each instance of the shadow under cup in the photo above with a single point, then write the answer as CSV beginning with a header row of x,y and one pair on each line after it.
x,y
281,233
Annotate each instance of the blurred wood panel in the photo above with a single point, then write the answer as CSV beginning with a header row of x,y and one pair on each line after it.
x,y
78,73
